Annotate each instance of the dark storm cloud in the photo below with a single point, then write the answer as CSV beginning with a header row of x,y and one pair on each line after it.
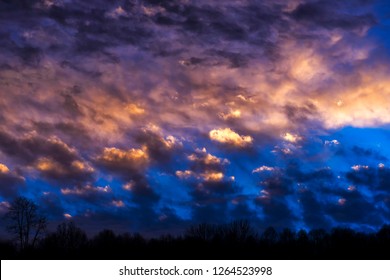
x,y
323,203
364,176
210,192
99,27
354,208
300,114
366,153
314,214
70,105
294,172
332,14
71,131
159,149
142,193
384,179
10,183
29,147
52,206
376,178
276,212
31,56
54,159
278,185
89,194
17,4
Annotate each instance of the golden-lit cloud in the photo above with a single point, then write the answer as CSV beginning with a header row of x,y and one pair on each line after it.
x,y
203,156
82,166
207,176
184,174
132,155
76,170
3,168
228,136
293,138
46,164
232,114
212,176
134,109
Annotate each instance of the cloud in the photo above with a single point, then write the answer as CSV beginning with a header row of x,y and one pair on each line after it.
x,y
330,14
3,169
263,168
52,157
76,171
118,203
123,161
353,207
232,114
208,176
134,109
229,137
4,206
10,182
201,160
184,174
314,214
96,96
159,148
205,167
86,190
293,138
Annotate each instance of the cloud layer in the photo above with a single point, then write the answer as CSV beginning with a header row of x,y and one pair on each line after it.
x,y
177,112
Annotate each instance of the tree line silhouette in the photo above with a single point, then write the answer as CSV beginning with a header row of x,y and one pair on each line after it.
x,y
235,240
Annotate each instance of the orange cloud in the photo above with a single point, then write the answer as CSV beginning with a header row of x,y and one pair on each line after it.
x,y
134,109
131,155
3,168
228,136
46,164
201,155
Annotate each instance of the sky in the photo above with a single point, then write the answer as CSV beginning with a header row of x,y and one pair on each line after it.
x,y
150,116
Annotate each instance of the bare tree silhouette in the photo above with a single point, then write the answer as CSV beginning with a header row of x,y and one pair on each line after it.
x,y
204,232
238,230
24,222
68,238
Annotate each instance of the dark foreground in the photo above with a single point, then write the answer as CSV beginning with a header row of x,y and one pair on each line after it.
x,y
234,241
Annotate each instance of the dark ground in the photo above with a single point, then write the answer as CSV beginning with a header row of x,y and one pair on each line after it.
x,y
236,240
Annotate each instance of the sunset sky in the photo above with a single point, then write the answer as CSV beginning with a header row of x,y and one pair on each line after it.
x,y
154,115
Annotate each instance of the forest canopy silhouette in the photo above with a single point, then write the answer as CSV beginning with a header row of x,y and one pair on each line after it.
x,y
234,240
